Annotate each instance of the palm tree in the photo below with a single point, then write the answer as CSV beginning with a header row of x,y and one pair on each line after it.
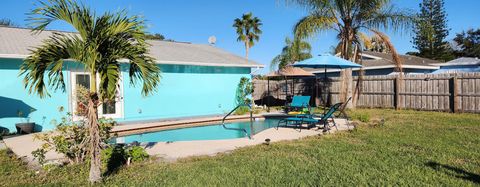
x,y
101,43
248,30
296,50
350,18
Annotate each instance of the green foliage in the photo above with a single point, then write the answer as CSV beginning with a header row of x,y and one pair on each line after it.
x,y
242,110
101,42
431,31
468,43
137,153
296,50
70,138
155,36
413,148
114,156
244,91
7,22
81,97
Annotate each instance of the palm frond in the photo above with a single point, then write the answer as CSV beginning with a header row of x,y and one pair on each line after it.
x,y
395,56
48,59
313,24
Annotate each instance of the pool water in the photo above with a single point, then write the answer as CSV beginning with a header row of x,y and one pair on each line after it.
x,y
210,132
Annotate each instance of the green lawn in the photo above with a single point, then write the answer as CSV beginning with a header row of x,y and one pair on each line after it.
x,y
411,148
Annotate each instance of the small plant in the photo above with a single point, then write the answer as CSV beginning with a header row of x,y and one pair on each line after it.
x,y
115,156
81,97
244,91
70,138
242,110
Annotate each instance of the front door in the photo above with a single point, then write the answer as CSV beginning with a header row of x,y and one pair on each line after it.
x,y
81,83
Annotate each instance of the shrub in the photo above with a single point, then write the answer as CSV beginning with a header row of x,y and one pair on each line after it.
x,y
117,155
242,110
70,138
137,153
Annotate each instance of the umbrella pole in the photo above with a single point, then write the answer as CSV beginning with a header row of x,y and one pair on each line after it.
x,y
293,86
324,91
286,90
268,94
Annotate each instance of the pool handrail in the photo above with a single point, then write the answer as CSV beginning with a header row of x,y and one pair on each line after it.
x,y
239,129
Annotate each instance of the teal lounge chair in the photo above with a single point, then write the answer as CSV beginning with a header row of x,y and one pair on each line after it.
x,y
310,120
298,103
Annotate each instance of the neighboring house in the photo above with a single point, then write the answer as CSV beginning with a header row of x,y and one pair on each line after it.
x,y
460,65
197,80
375,63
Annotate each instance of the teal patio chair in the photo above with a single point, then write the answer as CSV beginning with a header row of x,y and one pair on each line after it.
x,y
310,120
298,103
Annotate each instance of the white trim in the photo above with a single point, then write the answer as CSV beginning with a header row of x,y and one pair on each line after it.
x,y
13,56
119,105
371,56
381,67
19,56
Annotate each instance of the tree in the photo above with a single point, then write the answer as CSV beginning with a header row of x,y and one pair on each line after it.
x,y
431,30
248,30
468,43
155,36
101,42
7,22
294,51
349,19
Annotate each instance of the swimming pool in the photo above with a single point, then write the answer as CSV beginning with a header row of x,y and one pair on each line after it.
x,y
209,132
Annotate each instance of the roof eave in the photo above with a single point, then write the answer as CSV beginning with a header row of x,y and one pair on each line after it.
x,y
252,65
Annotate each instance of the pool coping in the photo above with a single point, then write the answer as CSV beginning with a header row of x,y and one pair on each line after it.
x,y
168,124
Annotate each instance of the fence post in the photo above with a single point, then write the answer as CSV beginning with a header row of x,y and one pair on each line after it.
x,y
396,96
453,85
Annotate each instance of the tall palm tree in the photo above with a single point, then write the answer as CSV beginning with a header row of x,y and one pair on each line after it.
x,y
350,18
101,43
296,50
248,30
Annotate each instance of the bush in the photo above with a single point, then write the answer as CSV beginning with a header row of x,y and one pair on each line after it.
x,y
242,110
117,155
70,138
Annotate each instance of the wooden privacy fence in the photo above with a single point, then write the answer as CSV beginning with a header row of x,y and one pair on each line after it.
x,y
434,92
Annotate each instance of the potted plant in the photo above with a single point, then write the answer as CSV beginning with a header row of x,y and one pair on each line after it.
x,y
25,126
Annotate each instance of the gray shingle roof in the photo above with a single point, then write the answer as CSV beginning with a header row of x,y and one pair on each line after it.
x,y
16,42
461,61
385,59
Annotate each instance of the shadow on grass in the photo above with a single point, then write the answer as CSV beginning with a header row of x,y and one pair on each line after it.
x,y
456,172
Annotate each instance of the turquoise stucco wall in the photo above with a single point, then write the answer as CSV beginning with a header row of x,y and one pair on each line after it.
x,y
14,97
184,91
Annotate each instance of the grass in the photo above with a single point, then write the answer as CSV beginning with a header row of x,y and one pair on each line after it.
x,y
411,148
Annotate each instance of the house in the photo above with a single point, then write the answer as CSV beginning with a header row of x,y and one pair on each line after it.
x,y
376,63
197,80
460,65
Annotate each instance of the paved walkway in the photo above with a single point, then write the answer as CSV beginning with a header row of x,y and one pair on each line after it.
x,y
23,145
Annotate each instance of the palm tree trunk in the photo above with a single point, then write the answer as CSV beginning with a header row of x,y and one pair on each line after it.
x,y
247,47
94,132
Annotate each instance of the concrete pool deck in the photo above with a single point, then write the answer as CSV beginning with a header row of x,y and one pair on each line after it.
x,y
23,145
182,149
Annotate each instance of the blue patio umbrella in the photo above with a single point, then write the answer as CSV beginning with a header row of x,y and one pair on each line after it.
x,y
326,61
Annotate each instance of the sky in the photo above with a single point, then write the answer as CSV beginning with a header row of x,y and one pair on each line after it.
x,y
195,21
